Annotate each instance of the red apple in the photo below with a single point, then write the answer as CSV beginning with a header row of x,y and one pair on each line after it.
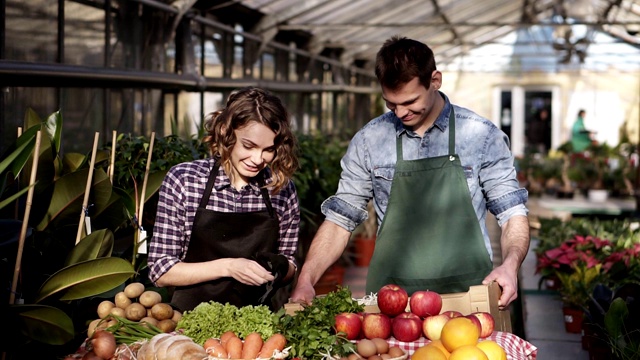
x,y
475,320
376,325
406,327
392,300
432,326
350,324
425,303
487,323
452,313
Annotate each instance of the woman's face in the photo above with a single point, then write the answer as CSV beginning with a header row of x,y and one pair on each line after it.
x,y
254,149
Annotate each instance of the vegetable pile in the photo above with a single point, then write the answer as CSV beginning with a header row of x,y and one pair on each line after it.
x,y
211,319
310,331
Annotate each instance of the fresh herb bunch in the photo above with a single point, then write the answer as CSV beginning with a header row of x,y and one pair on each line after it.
x,y
310,332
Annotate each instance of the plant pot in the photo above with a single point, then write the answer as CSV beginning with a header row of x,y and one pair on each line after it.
x,y
363,249
598,195
552,282
572,319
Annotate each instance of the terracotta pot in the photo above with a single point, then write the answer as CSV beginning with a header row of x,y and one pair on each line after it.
x,y
552,282
363,248
572,319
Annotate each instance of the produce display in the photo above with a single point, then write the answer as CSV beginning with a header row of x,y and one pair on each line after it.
x,y
334,326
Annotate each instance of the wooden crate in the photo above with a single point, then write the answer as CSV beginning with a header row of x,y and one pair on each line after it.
x,y
478,298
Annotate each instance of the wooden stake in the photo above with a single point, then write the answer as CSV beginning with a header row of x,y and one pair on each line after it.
x,y
87,189
113,156
25,220
146,176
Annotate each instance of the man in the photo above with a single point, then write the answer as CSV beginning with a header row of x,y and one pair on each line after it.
x,y
433,169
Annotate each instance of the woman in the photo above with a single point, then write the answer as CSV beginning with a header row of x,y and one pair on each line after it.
x,y
227,227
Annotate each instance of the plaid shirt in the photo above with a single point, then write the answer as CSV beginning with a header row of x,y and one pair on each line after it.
x,y
180,195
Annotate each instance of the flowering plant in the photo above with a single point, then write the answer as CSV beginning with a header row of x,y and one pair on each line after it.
x,y
586,250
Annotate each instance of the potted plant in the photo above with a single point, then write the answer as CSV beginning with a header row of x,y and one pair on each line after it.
x,y
576,288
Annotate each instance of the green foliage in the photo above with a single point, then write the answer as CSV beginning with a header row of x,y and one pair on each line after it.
x,y
319,173
578,285
310,332
622,331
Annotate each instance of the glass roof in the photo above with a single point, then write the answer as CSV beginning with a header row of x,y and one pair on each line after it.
x,y
478,35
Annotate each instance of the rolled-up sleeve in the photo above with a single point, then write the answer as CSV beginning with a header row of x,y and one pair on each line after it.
x,y
348,207
505,197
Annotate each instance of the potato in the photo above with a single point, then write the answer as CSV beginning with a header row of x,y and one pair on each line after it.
x,y
149,298
177,315
104,308
149,320
167,325
117,311
134,290
93,325
122,301
162,311
135,311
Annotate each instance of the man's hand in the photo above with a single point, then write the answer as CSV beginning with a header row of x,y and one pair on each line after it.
x,y
508,281
303,293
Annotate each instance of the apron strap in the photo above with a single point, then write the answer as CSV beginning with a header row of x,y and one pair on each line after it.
x,y
212,179
452,132
207,190
265,193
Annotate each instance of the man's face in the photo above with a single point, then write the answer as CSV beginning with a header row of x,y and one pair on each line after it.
x,y
414,104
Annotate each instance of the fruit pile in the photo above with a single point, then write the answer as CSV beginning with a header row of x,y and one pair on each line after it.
x,y
136,304
448,331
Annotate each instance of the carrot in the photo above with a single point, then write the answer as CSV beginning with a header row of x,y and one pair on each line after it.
x,y
252,345
226,336
275,342
213,347
234,347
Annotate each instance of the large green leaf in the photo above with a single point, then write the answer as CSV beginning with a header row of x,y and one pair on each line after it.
x,y
154,181
43,323
73,161
18,158
13,197
67,189
86,279
95,245
53,127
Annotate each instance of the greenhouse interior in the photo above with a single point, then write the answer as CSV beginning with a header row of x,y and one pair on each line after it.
x,y
103,99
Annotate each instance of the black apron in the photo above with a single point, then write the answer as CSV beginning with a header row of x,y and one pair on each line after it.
x,y
217,235
430,237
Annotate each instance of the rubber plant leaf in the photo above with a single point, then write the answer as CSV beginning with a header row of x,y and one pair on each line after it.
x,y
53,127
17,159
15,196
85,279
69,190
96,245
154,181
43,323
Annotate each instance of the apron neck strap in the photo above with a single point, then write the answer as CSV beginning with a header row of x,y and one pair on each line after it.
x,y
452,132
212,179
452,138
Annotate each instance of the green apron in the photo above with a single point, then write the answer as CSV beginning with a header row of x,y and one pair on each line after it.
x,y
430,238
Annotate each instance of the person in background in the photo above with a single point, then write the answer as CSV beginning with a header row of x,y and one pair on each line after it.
x,y
539,134
433,170
227,227
581,138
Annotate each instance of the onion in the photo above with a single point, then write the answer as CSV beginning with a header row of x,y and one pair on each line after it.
x,y
104,344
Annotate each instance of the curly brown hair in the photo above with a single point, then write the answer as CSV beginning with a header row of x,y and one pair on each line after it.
x,y
254,104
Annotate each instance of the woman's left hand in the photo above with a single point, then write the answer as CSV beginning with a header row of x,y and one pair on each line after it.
x,y
249,272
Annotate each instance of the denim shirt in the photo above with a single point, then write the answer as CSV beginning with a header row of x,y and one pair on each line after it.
x,y
369,165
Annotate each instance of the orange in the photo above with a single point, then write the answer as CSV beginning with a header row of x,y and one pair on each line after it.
x,y
458,332
493,350
468,352
428,352
438,344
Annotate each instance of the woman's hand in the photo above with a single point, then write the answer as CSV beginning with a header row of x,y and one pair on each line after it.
x,y
249,272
